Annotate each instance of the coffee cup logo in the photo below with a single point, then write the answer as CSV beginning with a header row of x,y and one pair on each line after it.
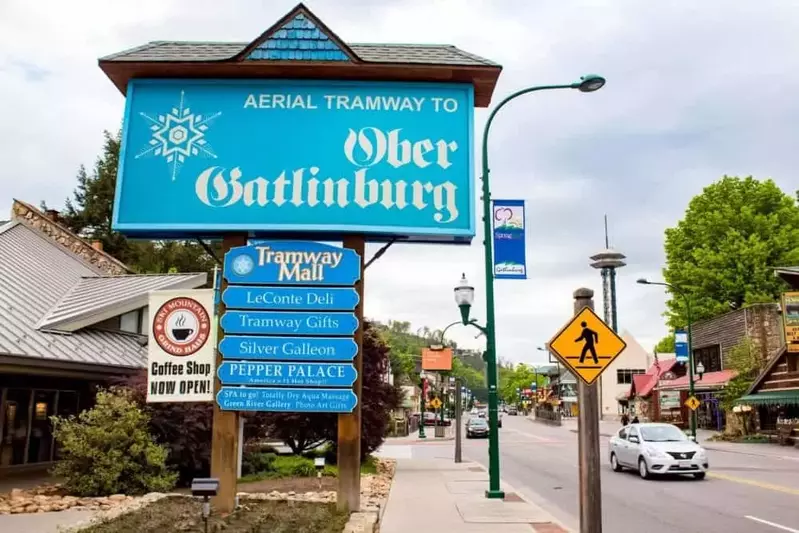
x,y
181,326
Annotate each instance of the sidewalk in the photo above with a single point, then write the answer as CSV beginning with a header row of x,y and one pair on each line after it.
x,y
429,431
41,522
439,495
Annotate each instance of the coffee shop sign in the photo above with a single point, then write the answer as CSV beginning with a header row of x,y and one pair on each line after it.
x,y
387,159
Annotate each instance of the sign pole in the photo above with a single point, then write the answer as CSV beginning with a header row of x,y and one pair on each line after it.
x,y
458,414
349,424
588,440
225,429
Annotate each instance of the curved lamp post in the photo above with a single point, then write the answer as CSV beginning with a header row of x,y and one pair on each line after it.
x,y
700,368
464,294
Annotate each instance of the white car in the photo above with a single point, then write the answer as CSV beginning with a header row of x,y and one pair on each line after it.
x,y
656,449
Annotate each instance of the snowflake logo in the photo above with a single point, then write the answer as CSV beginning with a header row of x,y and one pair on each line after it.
x,y
178,135
243,265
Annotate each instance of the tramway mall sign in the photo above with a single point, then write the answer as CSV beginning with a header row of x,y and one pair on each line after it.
x,y
387,159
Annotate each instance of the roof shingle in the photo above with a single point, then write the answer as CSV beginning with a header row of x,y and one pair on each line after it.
x,y
189,51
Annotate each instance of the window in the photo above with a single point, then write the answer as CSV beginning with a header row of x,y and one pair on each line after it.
x,y
129,322
633,433
623,433
710,357
625,375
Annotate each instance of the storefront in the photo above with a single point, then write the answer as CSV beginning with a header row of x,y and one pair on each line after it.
x,y
774,396
73,319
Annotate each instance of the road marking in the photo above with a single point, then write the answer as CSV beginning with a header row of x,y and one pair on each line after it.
x,y
759,484
772,524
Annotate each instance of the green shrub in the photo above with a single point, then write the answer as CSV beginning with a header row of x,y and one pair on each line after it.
x,y
257,463
108,450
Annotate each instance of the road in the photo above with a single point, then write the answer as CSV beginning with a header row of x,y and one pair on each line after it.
x,y
743,493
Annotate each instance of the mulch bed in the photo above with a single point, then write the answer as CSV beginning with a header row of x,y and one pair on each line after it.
x,y
297,484
184,515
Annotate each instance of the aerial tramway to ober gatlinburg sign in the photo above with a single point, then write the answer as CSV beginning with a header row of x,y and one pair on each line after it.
x,y
293,138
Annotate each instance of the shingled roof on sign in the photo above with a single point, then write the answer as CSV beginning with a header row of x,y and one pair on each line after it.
x,y
299,36
300,46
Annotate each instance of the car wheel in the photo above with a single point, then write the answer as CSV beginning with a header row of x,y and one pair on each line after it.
x,y
699,475
643,470
614,463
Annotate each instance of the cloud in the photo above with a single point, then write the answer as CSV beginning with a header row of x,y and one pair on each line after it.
x,y
695,90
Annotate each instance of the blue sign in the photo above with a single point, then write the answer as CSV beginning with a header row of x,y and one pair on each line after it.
x,y
289,374
292,263
286,400
288,323
290,298
288,348
509,243
386,159
681,346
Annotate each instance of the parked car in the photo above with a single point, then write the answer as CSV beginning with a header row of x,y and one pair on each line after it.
x,y
657,449
482,413
512,411
429,419
476,427
446,422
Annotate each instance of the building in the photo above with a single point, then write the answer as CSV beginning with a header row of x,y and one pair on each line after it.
x,y
774,395
712,342
614,384
71,318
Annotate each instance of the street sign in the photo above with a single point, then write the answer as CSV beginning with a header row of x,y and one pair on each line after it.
x,y
291,374
286,400
292,263
435,403
288,323
790,314
288,348
587,345
290,298
692,403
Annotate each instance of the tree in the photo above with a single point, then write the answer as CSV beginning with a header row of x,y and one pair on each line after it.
x,y
89,214
721,254
184,428
512,378
666,344
744,358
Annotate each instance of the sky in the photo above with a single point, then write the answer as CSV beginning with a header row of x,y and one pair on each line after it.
x,y
695,90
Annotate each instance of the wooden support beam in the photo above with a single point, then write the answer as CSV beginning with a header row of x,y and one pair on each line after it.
x,y
225,432
349,424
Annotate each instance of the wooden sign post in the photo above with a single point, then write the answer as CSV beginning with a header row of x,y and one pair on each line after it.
x,y
225,432
349,424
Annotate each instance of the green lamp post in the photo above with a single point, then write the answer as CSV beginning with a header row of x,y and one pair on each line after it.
x,y
700,369
464,294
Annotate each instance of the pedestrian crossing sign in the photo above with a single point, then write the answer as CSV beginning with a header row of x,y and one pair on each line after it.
x,y
692,403
435,403
586,345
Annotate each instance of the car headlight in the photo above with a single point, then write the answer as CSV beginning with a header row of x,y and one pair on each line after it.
x,y
654,452
702,453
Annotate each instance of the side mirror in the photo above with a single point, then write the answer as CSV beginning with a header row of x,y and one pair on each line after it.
x,y
691,437
635,440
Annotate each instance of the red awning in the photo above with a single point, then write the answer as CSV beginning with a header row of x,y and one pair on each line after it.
x,y
711,380
644,383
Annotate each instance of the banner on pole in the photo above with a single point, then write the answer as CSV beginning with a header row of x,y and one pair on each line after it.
x,y
681,345
509,242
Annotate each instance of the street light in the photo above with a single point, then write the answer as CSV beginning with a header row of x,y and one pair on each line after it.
x,y
675,290
464,294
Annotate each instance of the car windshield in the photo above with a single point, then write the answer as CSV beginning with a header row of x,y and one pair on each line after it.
x,y
477,422
662,434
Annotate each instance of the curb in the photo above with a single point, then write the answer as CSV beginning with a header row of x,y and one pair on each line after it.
x,y
752,454
600,434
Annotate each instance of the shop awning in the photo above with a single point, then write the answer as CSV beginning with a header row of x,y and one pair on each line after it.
x,y
777,397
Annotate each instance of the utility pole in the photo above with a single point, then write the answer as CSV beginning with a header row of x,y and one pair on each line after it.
x,y
458,411
588,440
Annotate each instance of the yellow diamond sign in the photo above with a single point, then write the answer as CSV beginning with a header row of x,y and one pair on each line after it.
x,y
586,345
692,403
435,403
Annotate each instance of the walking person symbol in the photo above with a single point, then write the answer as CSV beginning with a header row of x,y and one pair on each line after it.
x,y
589,337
